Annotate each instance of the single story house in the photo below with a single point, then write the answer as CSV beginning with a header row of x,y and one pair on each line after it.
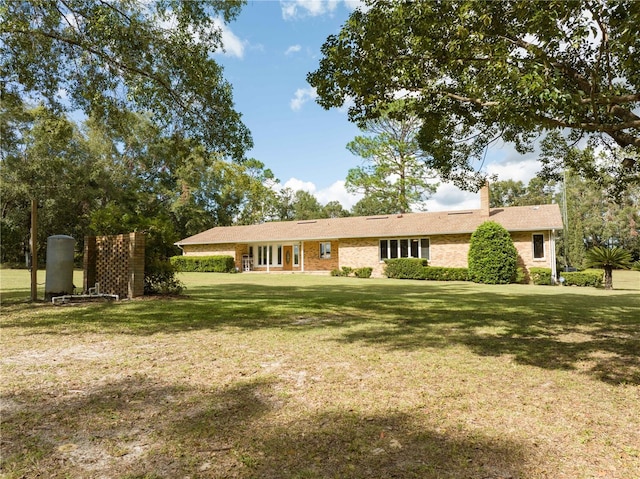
x,y
323,245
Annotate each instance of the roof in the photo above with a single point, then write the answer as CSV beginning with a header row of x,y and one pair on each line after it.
x,y
515,218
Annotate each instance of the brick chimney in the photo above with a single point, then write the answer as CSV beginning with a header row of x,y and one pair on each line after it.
x,y
484,199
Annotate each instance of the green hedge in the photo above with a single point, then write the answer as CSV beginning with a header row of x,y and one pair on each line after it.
x,y
363,272
204,264
540,276
357,272
582,278
436,273
405,268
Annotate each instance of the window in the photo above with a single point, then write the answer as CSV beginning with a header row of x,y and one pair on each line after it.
x,y
393,248
538,246
325,250
271,254
425,250
296,255
404,248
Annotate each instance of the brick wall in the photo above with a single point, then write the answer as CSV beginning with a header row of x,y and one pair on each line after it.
x,y
361,253
312,260
449,251
524,244
116,263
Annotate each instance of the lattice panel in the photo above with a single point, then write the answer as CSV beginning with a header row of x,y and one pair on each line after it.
x,y
116,263
112,264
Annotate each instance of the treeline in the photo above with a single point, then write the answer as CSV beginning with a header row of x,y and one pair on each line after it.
x,y
125,174
592,218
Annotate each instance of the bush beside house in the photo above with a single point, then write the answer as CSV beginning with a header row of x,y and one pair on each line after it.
x,y
540,276
364,272
204,264
492,255
583,278
405,268
436,273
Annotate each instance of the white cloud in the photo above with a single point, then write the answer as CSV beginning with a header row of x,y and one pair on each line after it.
x,y
522,170
449,197
233,46
337,192
293,49
295,184
296,9
302,96
334,192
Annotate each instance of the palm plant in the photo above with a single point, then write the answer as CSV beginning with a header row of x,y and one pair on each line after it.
x,y
607,259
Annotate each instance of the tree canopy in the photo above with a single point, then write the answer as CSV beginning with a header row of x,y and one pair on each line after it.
x,y
393,171
97,178
479,71
108,57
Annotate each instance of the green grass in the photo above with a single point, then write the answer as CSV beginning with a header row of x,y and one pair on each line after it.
x,y
272,376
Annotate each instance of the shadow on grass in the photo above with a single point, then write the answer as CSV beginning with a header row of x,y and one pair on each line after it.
x,y
137,427
544,327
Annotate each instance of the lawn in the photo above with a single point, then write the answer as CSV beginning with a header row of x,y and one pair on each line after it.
x,y
302,376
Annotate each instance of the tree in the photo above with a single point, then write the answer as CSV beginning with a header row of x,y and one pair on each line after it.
x,y
479,71
47,162
506,193
334,209
306,206
373,206
594,220
393,168
492,255
108,57
608,259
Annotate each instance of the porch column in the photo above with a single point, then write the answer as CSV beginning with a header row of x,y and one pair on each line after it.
x,y
268,256
552,255
302,256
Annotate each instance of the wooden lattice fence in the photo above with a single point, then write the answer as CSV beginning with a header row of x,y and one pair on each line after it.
x,y
116,263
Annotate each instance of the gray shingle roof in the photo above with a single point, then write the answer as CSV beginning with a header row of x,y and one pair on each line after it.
x,y
516,218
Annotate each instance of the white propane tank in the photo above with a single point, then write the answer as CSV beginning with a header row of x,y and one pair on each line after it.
x,y
59,280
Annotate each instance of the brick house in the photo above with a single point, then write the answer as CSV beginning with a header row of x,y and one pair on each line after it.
x,y
326,244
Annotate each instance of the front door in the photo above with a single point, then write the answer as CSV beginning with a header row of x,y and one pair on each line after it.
x,y
287,251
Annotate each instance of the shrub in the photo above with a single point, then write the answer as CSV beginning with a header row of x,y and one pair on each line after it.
x,y
435,273
583,278
540,276
405,268
363,272
160,278
492,255
636,266
346,270
521,277
204,264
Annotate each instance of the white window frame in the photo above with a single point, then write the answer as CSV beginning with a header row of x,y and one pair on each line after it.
x,y
399,242
296,255
325,250
533,247
269,254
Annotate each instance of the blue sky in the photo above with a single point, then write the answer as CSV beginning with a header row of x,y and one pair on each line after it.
x,y
269,49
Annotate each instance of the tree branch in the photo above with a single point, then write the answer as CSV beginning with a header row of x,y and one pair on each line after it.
x,y
109,59
475,101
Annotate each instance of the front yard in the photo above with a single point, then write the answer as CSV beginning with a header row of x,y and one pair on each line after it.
x,y
296,376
